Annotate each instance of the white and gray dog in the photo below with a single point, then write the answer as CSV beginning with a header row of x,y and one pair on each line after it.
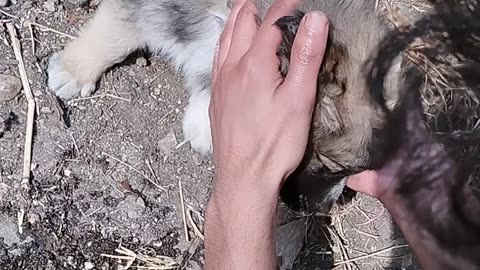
x,y
347,130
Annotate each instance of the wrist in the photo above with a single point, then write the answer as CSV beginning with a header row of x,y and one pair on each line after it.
x,y
244,193
239,229
246,179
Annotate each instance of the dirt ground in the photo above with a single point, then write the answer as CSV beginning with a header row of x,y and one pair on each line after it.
x,y
110,171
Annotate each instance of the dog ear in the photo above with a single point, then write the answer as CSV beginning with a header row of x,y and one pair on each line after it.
x,y
288,26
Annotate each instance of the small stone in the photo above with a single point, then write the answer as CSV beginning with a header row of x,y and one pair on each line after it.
x,y
10,87
193,265
141,61
4,190
195,160
132,206
4,3
88,266
49,5
67,173
105,266
9,230
46,110
33,218
168,143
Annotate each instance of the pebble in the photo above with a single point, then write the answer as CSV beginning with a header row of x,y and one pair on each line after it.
x,y
196,161
132,206
70,261
3,190
33,218
168,143
88,266
49,5
67,173
46,110
141,61
193,265
105,266
10,87
9,230
4,3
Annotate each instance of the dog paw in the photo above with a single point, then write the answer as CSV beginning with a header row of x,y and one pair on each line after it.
x,y
196,124
63,83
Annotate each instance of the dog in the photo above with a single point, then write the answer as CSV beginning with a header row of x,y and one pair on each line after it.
x,y
347,134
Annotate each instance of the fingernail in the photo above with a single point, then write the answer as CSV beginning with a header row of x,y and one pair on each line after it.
x,y
316,21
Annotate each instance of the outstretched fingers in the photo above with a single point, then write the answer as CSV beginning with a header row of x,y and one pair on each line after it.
x,y
306,57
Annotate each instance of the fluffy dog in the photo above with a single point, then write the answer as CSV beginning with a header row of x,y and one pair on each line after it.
x,y
348,125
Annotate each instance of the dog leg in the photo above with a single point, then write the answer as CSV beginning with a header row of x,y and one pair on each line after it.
x,y
108,39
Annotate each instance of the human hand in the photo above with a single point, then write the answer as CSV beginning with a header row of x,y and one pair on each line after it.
x,y
260,122
260,125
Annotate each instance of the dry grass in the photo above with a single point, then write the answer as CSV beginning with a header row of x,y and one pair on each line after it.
x,y
141,260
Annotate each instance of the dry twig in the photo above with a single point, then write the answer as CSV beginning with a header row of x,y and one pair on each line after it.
x,y
373,254
136,170
182,204
27,157
44,28
150,262
8,14
343,249
194,226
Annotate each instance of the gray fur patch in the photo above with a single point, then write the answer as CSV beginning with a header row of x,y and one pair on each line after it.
x,y
204,81
183,22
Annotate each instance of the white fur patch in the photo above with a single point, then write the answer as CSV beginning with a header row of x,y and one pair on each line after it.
x,y
196,123
64,84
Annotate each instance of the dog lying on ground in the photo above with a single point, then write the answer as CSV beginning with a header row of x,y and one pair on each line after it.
x,y
348,125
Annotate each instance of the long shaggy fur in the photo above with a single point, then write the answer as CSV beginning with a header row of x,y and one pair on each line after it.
x,y
348,127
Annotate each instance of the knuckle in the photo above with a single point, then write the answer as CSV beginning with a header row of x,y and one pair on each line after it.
x,y
281,8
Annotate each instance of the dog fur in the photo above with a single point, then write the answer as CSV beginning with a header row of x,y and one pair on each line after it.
x,y
347,130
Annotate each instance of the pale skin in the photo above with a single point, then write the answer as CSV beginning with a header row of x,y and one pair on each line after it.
x,y
247,86
260,125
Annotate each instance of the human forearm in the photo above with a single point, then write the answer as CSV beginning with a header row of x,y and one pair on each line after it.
x,y
259,126
239,229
